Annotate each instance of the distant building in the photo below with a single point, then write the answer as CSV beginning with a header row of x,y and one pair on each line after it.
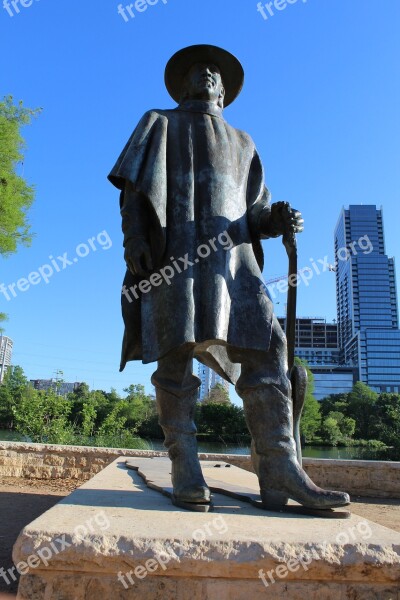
x,y
209,379
6,346
317,344
332,379
368,322
61,387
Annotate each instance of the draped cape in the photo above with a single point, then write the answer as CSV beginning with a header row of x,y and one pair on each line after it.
x,y
201,185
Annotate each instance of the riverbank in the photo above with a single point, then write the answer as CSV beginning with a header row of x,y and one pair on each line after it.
x,y
208,447
50,461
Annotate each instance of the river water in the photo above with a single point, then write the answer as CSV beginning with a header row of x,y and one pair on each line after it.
x,y
220,448
349,453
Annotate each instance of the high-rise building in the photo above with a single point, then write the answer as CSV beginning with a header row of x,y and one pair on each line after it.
x,y
366,296
209,379
317,343
6,346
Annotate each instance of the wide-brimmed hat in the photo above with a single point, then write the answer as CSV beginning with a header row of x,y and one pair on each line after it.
x,y
179,64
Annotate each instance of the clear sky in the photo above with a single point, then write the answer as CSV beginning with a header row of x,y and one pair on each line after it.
x,y
321,101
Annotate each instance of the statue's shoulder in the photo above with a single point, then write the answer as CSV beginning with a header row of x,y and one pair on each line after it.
x,y
243,138
158,113
150,118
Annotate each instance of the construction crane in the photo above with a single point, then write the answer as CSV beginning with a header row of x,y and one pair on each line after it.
x,y
282,277
276,279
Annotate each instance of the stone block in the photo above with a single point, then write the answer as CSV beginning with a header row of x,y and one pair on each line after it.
x,y
114,525
54,460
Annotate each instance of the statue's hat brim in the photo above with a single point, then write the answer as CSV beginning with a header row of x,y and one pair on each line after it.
x,y
179,64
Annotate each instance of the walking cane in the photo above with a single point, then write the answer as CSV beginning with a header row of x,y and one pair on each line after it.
x,y
297,373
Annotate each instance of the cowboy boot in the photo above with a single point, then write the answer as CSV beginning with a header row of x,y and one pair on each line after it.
x,y
176,419
269,418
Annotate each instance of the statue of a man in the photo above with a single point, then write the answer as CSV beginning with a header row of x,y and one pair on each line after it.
x,y
194,208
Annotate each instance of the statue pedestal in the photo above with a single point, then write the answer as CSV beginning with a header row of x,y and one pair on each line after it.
x,y
114,538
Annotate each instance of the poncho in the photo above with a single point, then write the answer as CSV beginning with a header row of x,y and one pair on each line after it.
x,y
202,184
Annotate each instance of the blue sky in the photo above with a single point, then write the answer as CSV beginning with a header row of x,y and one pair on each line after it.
x,y
321,101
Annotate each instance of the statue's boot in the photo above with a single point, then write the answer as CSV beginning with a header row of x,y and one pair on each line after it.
x,y
269,418
176,416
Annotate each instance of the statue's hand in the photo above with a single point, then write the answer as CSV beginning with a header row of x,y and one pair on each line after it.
x,y
138,256
284,219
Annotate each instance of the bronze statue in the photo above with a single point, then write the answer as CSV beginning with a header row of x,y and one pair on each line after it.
x,y
194,208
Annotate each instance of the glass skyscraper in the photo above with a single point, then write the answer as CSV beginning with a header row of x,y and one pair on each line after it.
x,y
366,296
209,379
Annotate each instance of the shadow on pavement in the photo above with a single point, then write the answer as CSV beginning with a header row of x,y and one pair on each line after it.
x,y
17,510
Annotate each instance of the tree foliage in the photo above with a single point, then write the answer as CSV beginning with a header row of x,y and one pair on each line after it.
x,y
84,417
98,418
311,416
361,407
385,425
221,419
217,395
3,317
16,196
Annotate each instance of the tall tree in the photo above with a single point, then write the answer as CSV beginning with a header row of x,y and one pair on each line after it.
x,y
311,417
217,395
16,196
3,317
361,407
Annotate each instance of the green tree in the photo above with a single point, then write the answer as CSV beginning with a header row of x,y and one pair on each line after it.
x,y
14,385
217,395
82,397
311,416
334,402
89,414
3,317
331,431
43,417
347,427
386,422
140,407
361,407
221,419
16,196
114,431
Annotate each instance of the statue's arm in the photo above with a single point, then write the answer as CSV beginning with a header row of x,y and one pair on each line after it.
x,y
135,227
268,220
133,213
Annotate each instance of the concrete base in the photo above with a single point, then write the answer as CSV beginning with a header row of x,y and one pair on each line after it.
x,y
114,538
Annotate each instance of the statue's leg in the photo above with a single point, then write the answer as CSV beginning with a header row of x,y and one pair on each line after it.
x,y
176,394
265,389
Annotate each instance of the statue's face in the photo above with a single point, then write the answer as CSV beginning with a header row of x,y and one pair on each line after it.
x,y
204,82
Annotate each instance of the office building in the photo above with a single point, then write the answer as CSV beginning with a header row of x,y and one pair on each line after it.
x,y
6,346
61,387
209,379
317,344
369,337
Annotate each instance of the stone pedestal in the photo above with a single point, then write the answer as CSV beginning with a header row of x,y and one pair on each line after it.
x,y
114,538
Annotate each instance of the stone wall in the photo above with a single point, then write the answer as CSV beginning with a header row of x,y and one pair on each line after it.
x,y
375,479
